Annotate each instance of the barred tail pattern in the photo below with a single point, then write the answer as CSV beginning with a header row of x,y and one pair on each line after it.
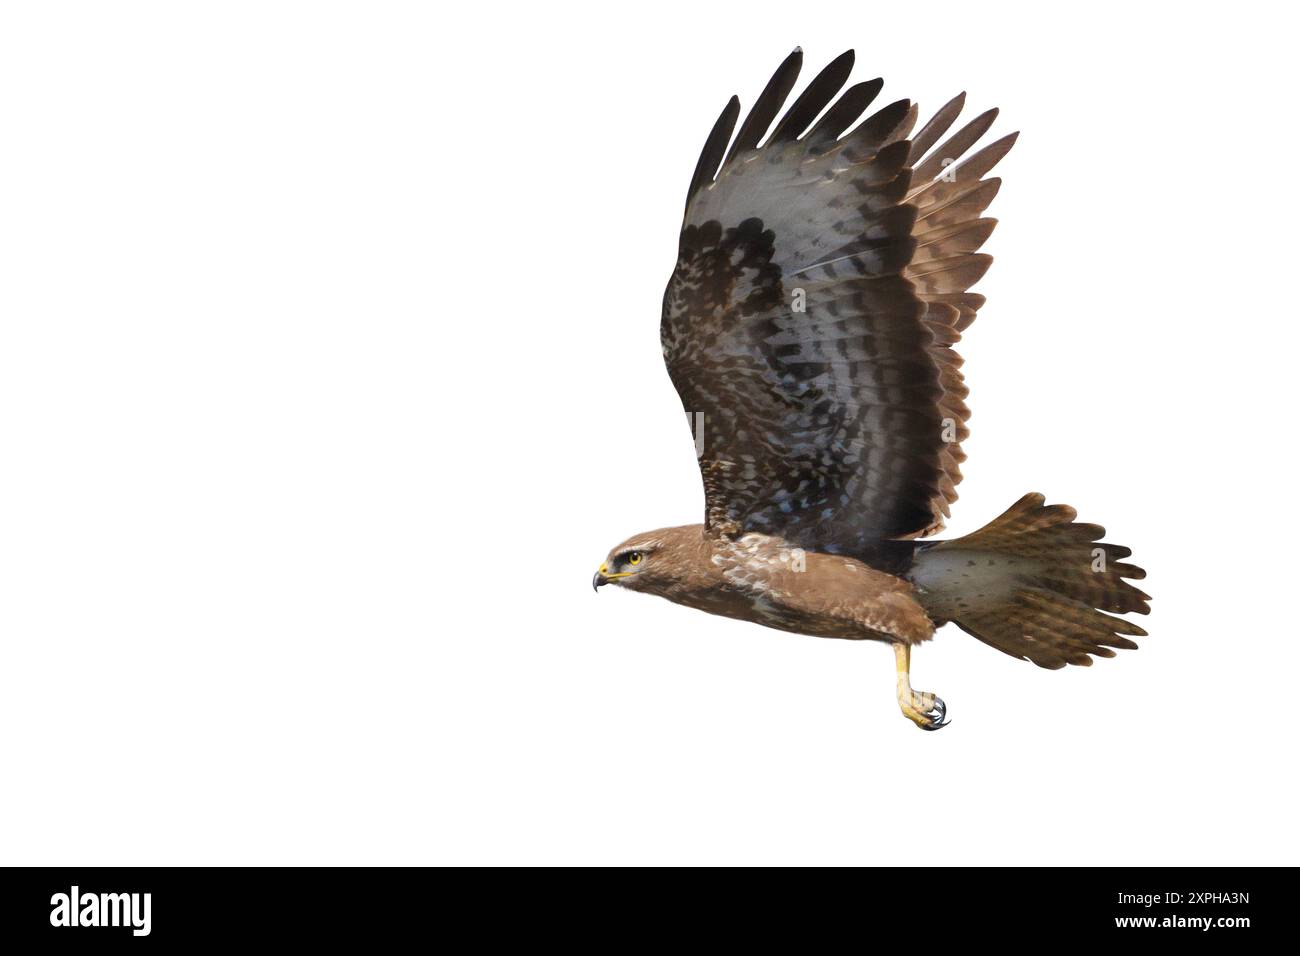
x,y
1036,584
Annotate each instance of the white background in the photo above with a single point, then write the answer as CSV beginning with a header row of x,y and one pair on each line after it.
x,y
330,372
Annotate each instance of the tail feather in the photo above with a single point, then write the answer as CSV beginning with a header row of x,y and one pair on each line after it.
x,y
1034,583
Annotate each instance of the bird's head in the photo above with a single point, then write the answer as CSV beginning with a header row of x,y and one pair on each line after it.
x,y
649,561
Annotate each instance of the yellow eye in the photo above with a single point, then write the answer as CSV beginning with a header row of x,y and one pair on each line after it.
x,y
634,557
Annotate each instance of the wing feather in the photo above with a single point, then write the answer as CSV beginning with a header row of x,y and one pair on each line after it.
x,y
952,150
845,112
714,147
768,104
814,99
937,126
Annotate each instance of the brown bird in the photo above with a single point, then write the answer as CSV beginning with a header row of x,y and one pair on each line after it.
x,y
809,328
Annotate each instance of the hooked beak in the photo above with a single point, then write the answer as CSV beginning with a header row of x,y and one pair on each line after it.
x,y
603,577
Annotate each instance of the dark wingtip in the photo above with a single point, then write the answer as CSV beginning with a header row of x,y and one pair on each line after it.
x,y
768,104
815,97
714,147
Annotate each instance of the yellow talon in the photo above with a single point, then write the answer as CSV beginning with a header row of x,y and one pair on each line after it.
x,y
924,709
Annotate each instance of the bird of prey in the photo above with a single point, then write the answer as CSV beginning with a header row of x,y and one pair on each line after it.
x,y
810,327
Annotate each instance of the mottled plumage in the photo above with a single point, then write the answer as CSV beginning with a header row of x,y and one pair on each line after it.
x,y
809,327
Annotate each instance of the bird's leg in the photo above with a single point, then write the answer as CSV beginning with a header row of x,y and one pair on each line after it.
x,y
923,709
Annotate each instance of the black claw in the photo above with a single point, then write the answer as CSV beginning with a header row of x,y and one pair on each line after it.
x,y
938,716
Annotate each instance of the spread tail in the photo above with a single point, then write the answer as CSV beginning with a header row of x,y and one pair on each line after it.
x,y
1033,583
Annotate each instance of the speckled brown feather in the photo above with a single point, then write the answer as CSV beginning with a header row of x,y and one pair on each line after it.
x,y
763,580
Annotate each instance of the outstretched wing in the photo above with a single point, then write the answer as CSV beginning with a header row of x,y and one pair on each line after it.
x,y
808,325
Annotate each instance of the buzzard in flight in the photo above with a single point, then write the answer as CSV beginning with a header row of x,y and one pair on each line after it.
x,y
809,328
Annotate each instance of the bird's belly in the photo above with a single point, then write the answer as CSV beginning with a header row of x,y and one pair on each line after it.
x,y
762,609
